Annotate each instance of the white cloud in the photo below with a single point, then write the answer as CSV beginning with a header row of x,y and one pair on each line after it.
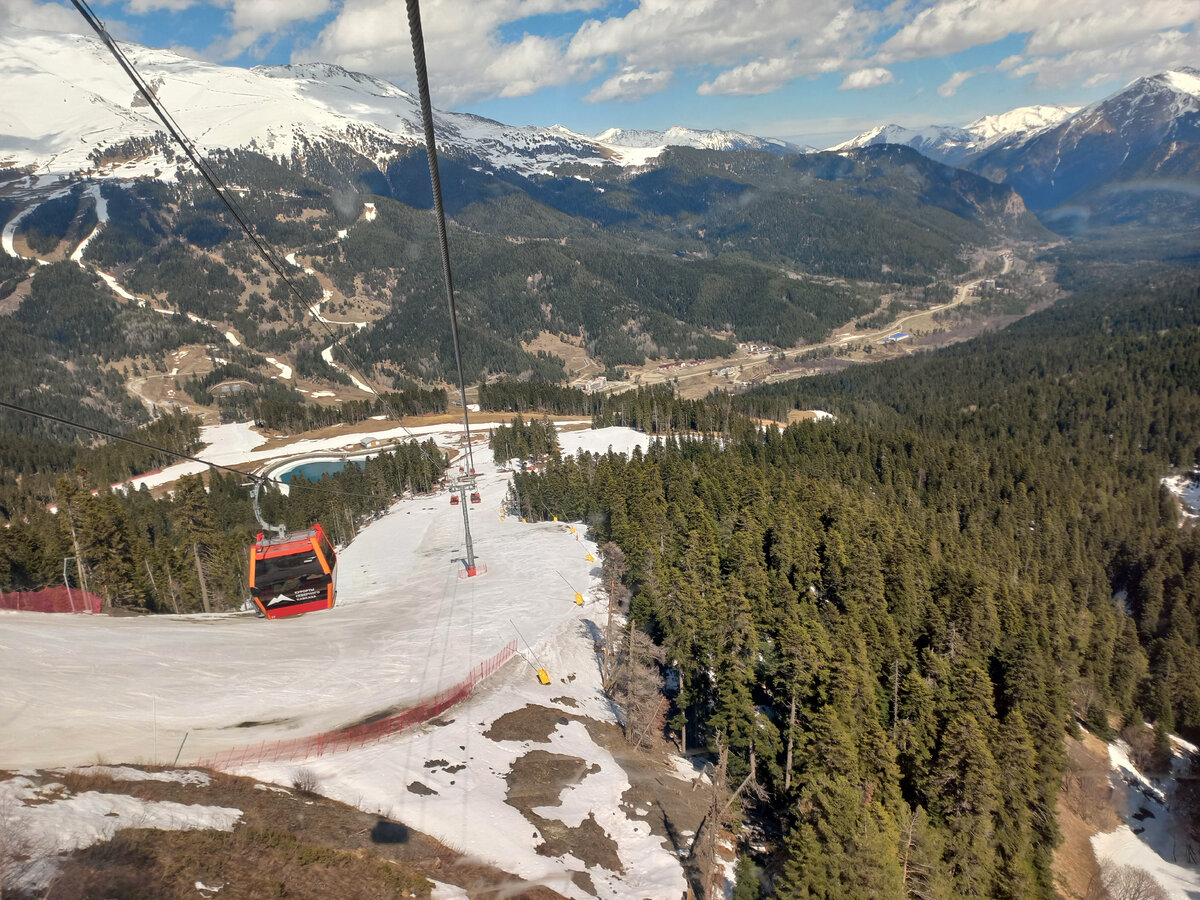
x,y
468,58
762,76
950,86
259,24
44,16
866,78
951,26
760,47
629,86
139,7
1150,54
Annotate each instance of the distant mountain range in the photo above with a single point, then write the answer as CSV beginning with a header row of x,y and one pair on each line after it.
x,y
1131,158
71,112
952,144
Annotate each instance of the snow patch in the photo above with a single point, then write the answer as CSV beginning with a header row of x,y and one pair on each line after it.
x,y
56,824
285,371
1152,839
128,773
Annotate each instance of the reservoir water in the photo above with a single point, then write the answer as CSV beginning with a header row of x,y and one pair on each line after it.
x,y
314,470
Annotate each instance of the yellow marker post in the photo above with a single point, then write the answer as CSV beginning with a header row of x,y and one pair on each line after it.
x,y
556,518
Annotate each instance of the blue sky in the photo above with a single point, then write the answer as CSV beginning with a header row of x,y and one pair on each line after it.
x,y
811,71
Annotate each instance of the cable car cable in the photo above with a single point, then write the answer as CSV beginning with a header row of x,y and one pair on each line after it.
x,y
418,47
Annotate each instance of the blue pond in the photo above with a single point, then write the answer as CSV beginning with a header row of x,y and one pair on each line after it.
x,y
314,470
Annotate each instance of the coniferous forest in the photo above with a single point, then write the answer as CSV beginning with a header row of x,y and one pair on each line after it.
x,y
899,616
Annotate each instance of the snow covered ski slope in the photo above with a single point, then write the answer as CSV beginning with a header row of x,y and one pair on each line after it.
x,y
406,626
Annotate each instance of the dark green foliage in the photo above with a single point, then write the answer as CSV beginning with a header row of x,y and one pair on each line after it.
x,y
49,222
913,597
519,440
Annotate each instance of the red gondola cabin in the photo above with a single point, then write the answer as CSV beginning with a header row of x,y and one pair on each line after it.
x,y
454,499
293,574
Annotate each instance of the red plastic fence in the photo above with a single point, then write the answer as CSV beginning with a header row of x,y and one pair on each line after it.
x,y
52,600
366,733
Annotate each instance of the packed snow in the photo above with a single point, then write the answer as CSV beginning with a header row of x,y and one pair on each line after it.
x,y
406,626
327,355
128,773
468,807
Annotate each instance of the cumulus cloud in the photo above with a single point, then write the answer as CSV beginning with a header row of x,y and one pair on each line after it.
x,y
1153,53
765,75
759,48
628,86
258,24
866,78
138,7
468,56
950,86
44,16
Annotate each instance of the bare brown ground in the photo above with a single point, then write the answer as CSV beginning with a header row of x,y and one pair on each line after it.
x,y
13,301
574,354
291,843
670,806
1086,805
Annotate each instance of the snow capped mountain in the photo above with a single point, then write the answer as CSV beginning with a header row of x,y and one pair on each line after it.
x,y
70,111
1147,131
1021,122
929,140
678,136
1132,157
952,144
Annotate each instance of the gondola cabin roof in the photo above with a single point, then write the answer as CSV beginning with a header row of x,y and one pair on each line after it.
x,y
292,542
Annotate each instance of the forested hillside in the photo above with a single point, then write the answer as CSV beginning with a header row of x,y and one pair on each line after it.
x,y
678,259
901,614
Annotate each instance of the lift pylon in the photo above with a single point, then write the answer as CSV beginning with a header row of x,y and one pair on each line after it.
x,y
465,487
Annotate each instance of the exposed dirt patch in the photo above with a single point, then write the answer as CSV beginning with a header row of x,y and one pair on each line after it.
x,y
423,790
587,842
671,806
285,845
13,301
667,804
1086,805
536,780
532,723
565,701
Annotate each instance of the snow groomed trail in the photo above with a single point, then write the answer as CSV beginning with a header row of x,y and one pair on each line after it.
x,y
406,627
